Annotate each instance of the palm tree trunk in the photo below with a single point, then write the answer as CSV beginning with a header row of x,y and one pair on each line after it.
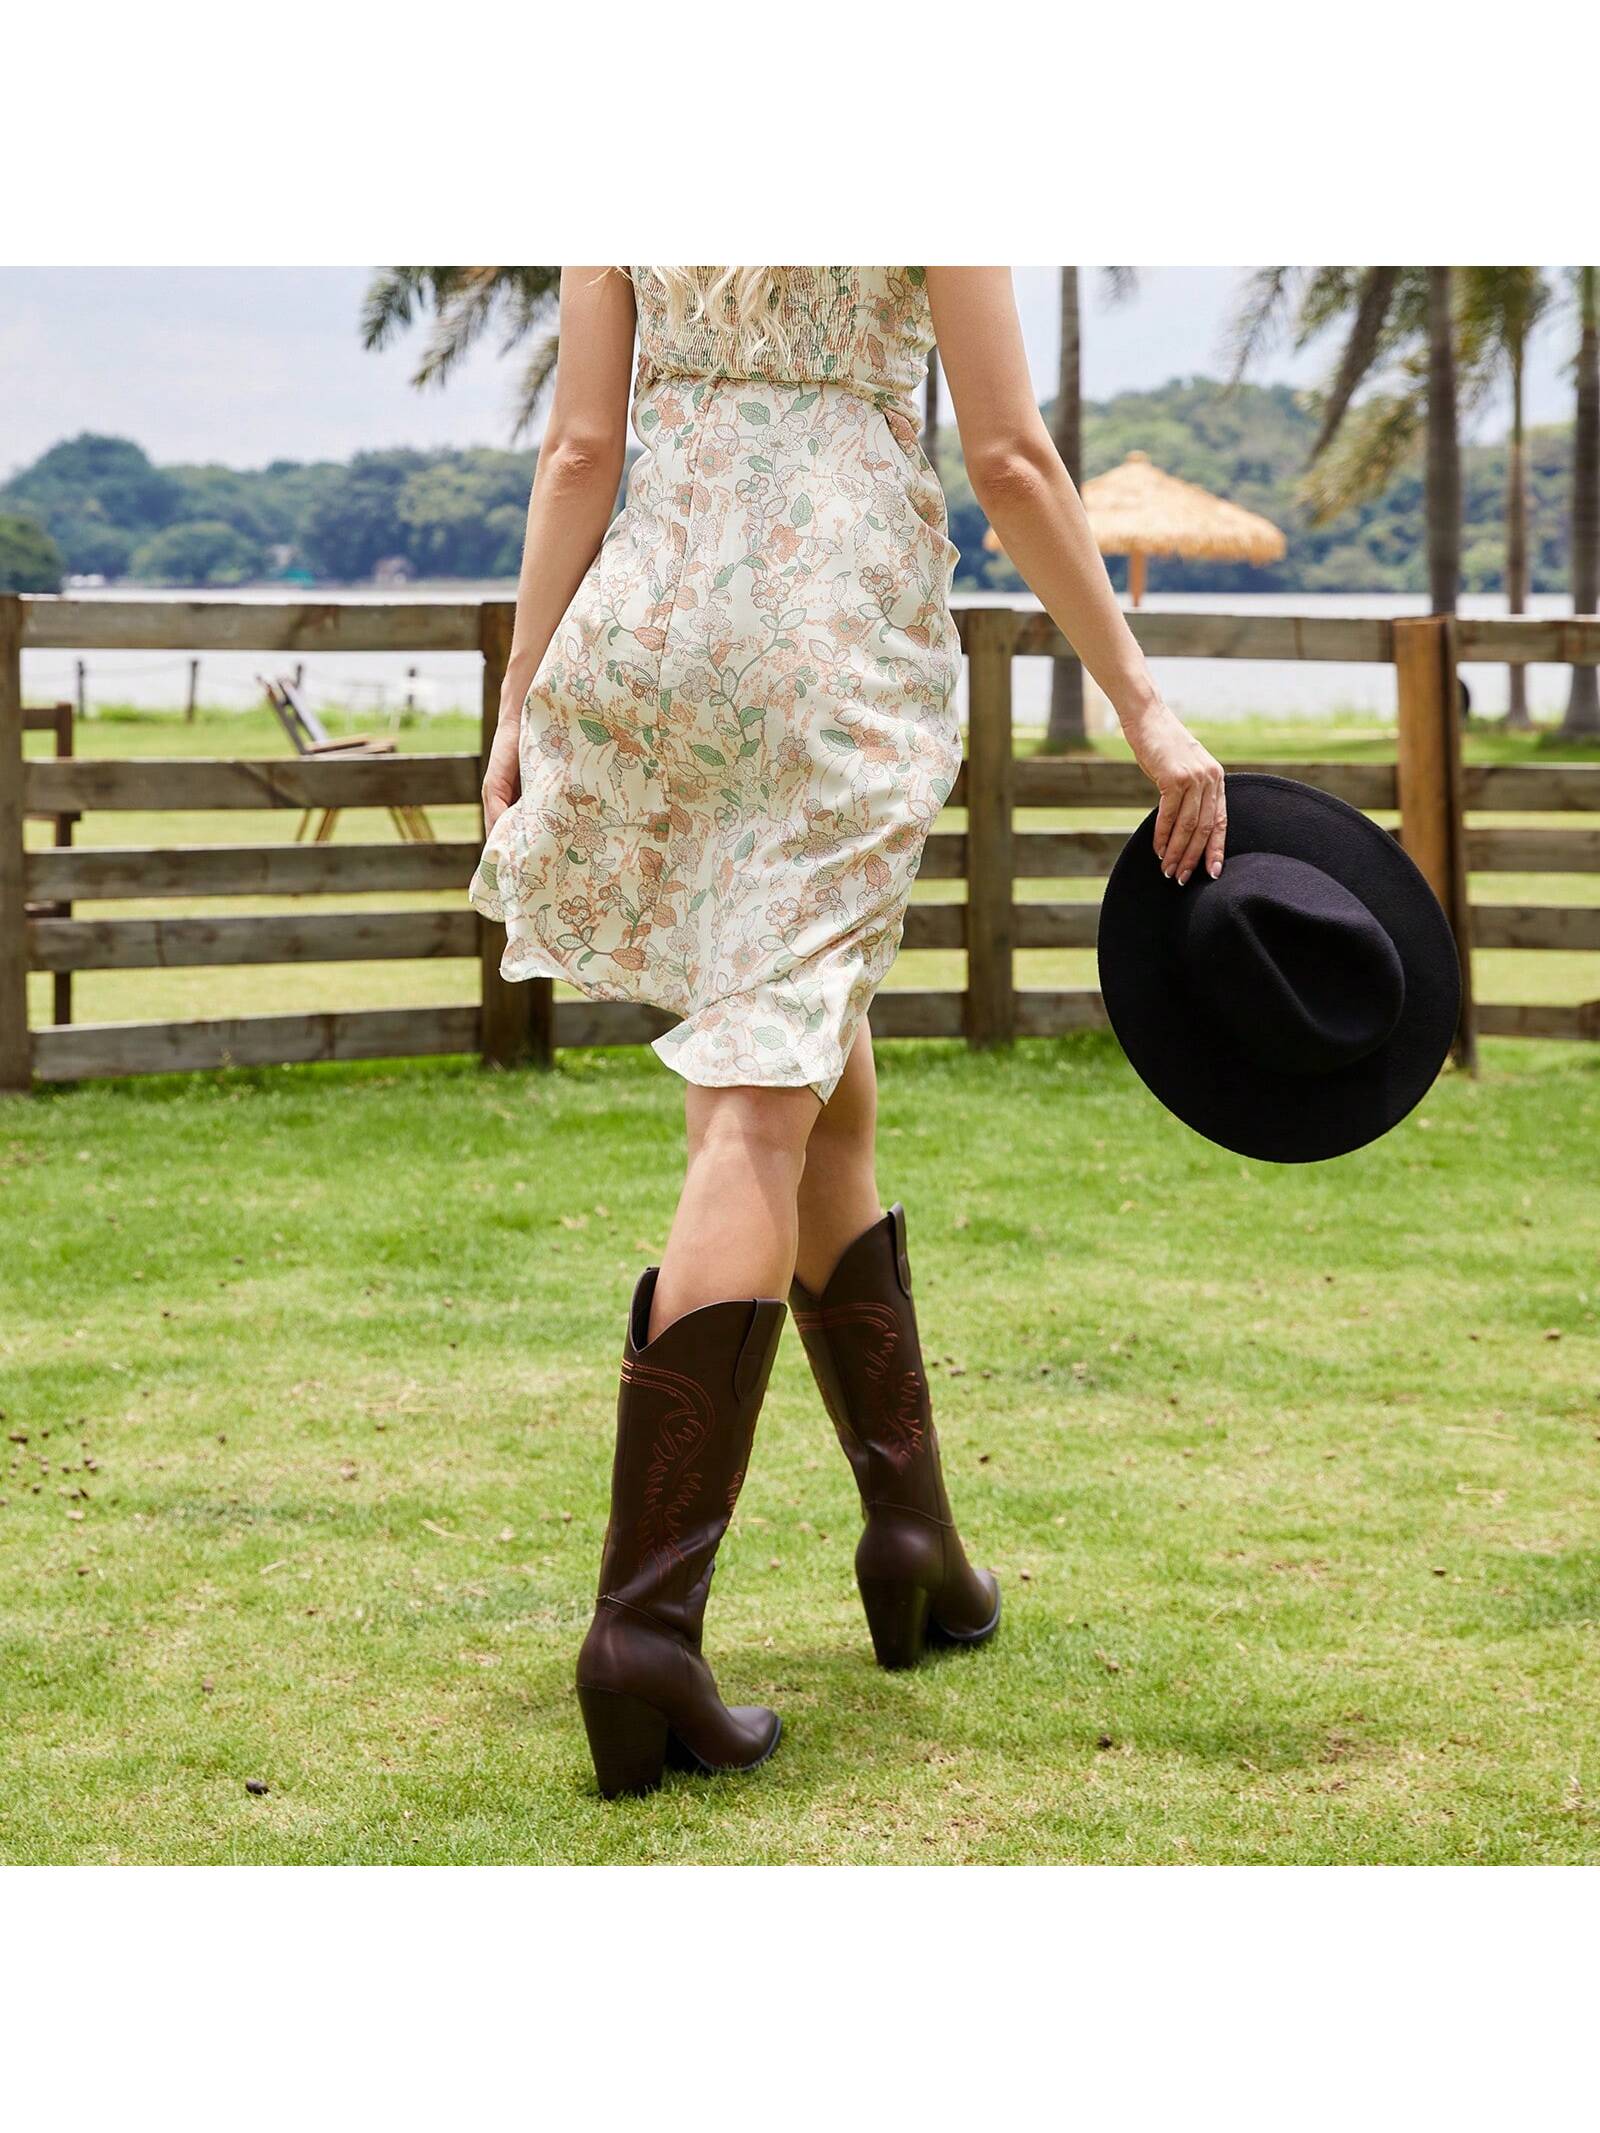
x,y
1517,537
1444,450
1067,728
1583,705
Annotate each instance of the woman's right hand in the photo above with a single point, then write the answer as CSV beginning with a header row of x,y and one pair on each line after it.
x,y
1192,819
502,781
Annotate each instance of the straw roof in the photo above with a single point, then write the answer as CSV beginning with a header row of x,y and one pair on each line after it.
x,y
1137,509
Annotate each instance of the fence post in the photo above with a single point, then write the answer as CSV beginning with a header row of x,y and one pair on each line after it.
x,y
517,1018
1428,776
991,1001
16,1060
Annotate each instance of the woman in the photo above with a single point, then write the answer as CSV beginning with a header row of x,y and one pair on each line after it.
x,y
726,729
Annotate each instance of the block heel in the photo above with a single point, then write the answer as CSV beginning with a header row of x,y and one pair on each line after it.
x,y
897,1619
627,1739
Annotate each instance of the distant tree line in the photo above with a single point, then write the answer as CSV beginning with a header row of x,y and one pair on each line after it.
x,y
106,509
1252,444
99,505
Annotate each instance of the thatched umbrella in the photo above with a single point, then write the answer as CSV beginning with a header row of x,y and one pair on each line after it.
x,y
1138,511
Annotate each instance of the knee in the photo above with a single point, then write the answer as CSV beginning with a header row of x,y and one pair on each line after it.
x,y
845,1132
763,1128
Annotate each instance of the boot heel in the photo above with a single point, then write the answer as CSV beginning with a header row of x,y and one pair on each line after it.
x,y
627,1739
897,1616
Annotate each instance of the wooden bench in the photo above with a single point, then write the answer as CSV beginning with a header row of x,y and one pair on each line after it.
x,y
310,737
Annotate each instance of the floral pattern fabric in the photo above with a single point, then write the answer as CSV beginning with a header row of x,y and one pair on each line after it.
x,y
743,728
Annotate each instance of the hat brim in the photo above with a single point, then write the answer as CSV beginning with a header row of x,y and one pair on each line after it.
x,y
1190,1062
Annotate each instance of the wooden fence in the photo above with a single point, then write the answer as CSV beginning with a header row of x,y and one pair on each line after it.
x,y
42,892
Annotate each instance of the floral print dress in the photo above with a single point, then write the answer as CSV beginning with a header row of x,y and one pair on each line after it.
x,y
744,725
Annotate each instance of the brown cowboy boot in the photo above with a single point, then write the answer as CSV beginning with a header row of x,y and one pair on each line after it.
x,y
861,1336
686,1413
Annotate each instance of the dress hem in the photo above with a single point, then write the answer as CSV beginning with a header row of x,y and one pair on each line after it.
x,y
544,965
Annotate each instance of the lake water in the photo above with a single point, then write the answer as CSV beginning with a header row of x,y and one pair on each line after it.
x,y
377,685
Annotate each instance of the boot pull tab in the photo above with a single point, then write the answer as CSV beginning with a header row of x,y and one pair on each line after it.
x,y
902,1258
755,1347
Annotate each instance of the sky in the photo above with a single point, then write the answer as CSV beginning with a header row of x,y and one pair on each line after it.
x,y
242,365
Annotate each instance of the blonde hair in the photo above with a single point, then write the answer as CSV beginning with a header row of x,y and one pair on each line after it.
x,y
743,301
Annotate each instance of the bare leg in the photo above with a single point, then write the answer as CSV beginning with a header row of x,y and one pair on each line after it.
x,y
736,1227
838,1198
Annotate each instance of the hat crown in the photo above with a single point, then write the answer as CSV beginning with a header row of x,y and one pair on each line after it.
x,y
1300,972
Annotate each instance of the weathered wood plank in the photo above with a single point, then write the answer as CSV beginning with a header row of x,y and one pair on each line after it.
x,y
118,872
991,767
1057,1014
15,1066
1533,851
1053,855
189,943
179,783
1519,641
1058,925
919,1014
1086,781
1532,788
1535,926
944,856
1356,639
1496,1019
935,926
581,1023
89,1051
251,625
304,626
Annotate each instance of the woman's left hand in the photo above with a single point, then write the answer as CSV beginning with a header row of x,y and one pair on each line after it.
x,y
1192,819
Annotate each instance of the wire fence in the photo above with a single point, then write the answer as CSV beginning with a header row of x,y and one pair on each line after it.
x,y
164,685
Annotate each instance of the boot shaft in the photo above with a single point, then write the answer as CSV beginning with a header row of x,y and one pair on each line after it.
x,y
861,1339
686,1415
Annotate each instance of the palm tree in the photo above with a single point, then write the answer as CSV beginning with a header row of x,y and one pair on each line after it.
x,y
1500,306
1583,704
1067,728
466,302
1401,324
1444,450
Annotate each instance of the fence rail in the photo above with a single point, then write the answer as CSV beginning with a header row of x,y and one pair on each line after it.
x,y
43,927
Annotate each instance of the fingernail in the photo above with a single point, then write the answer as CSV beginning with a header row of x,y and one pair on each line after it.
x,y
1168,872
1216,868
1183,879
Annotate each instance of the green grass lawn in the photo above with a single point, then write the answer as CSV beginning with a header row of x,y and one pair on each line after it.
x,y
1289,1474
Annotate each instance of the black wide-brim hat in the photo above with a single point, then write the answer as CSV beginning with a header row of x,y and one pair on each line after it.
x,y
1303,1002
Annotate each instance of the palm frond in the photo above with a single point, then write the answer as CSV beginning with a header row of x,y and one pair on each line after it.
x,y
465,304
1374,442
1360,354
1329,293
536,375
1262,317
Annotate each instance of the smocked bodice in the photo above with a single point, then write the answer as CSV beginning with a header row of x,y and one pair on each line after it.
x,y
866,328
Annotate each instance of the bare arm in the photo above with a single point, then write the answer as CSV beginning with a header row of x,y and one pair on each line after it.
x,y
1028,497
574,488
